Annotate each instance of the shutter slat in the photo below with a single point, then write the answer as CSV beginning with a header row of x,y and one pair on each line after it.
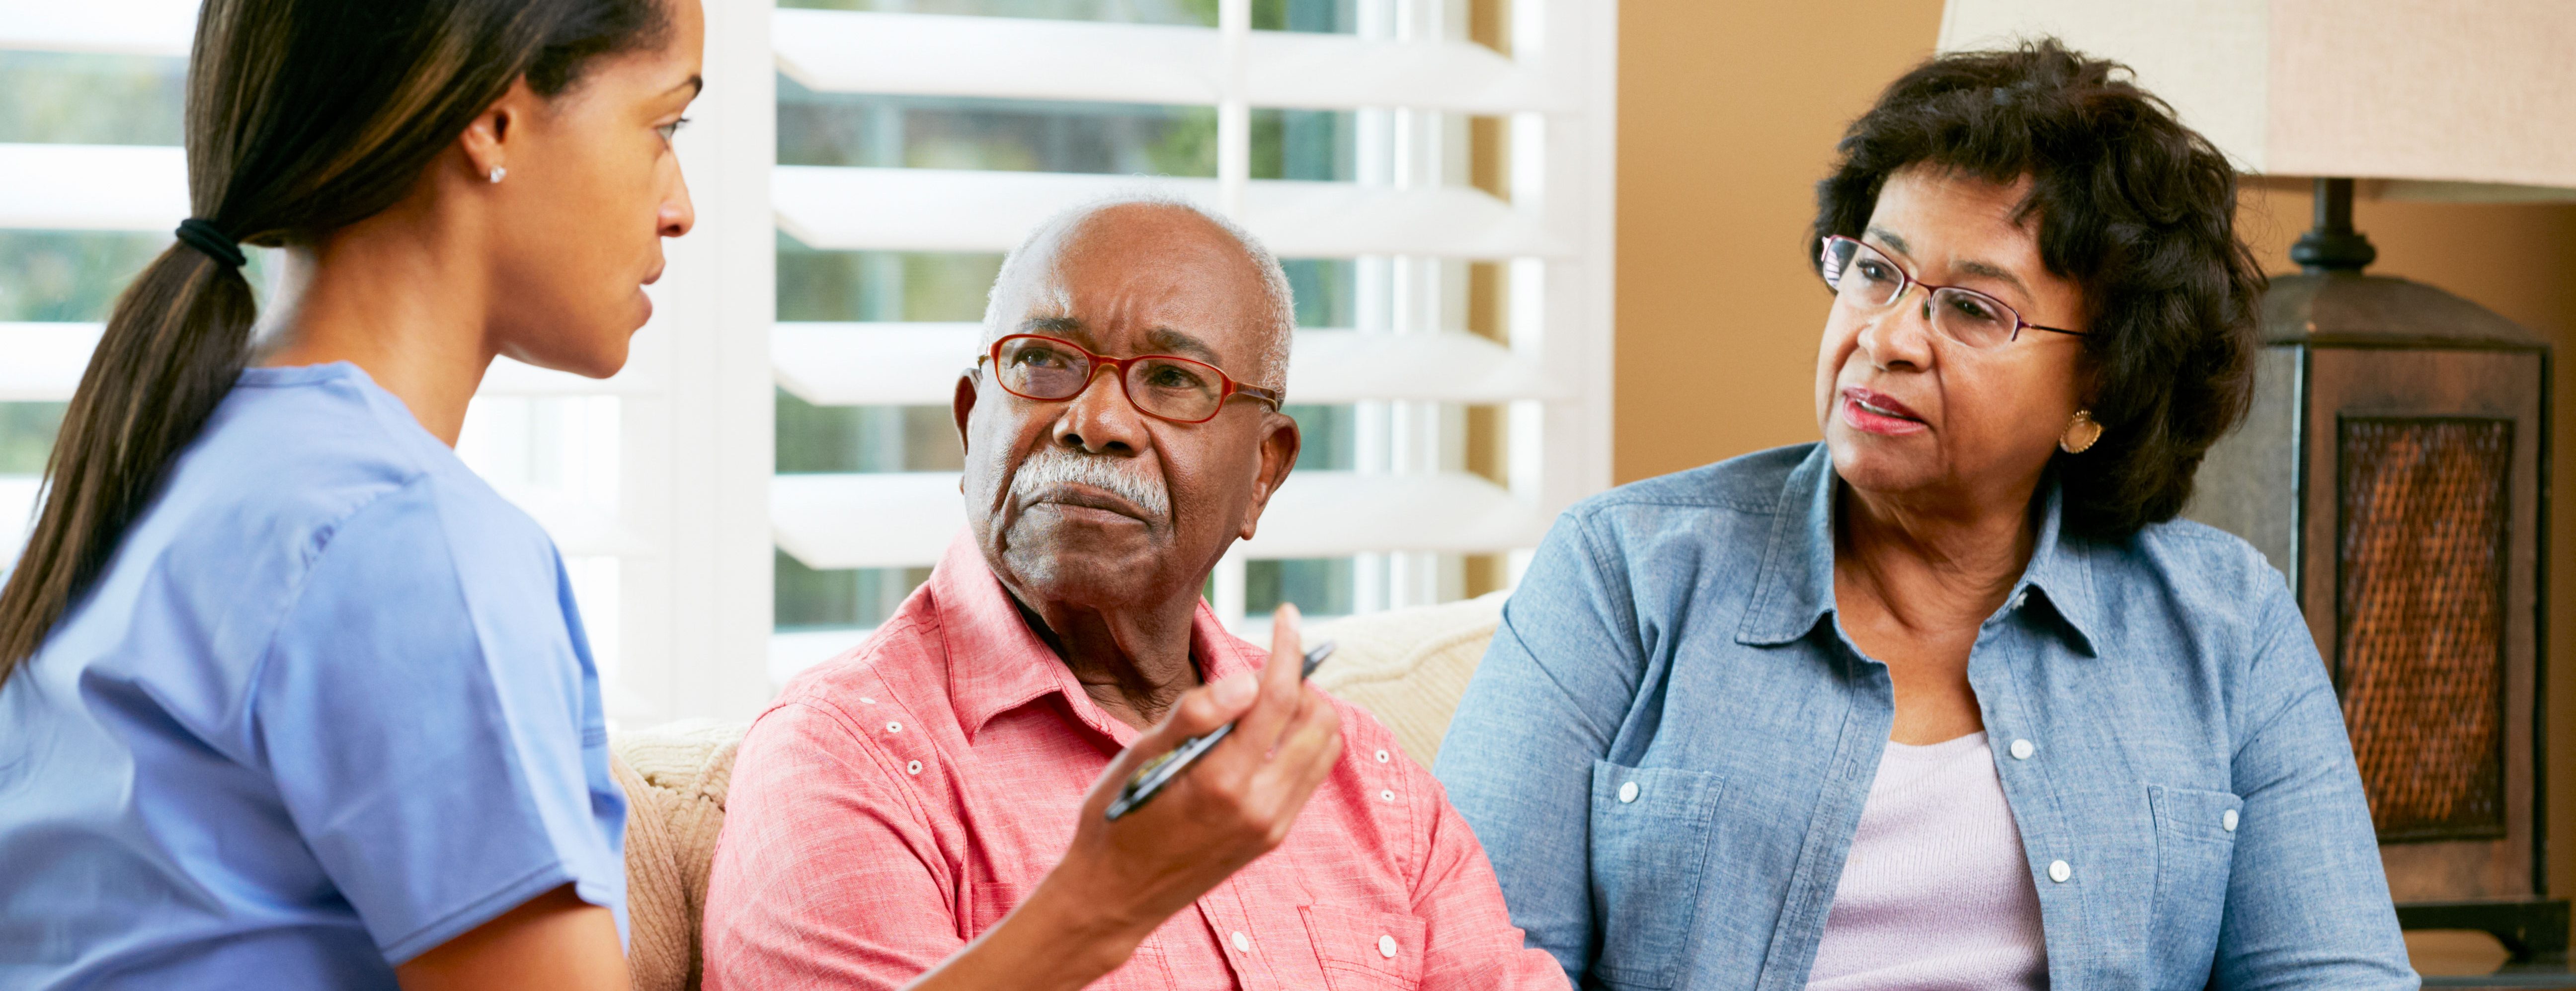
x,y
891,209
907,519
93,187
117,27
1033,59
45,361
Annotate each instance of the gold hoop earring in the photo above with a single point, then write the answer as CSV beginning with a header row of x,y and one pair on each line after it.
x,y
2081,433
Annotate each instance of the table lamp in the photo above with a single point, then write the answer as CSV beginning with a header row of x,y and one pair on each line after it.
x,y
2395,464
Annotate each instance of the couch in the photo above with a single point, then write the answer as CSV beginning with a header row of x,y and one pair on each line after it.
x,y
1407,667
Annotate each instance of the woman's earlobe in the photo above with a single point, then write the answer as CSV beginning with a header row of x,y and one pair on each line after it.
x,y
2081,433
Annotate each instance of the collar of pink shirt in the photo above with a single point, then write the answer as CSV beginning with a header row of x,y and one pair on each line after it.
x,y
996,663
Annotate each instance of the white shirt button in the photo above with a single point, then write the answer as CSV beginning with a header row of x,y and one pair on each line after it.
x,y
2022,749
894,727
912,768
1242,943
2059,872
2020,597
1628,792
1383,757
1386,947
1386,796
2228,821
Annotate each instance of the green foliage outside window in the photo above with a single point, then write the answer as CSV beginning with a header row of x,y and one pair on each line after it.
x,y
1320,586
854,598
26,437
56,98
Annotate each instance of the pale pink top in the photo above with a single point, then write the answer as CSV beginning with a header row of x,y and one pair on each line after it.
x,y
1936,893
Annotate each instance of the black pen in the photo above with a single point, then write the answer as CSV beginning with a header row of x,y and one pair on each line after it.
x,y
1160,771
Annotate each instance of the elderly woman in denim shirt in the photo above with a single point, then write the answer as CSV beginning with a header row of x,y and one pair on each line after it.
x,y
1951,699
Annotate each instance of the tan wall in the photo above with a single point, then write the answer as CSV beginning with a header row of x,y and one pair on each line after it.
x,y
1728,116
1728,113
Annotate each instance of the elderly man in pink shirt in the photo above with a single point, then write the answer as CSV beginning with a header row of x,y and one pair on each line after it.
x,y
928,810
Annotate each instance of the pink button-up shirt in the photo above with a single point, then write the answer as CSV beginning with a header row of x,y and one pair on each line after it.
x,y
896,802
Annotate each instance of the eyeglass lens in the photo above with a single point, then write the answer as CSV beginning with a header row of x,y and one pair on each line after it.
x,y
1173,388
1866,278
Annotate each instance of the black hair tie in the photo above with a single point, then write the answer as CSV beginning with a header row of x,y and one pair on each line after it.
x,y
203,236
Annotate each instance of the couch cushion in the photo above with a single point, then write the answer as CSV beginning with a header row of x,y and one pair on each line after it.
x,y
674,776
1408,667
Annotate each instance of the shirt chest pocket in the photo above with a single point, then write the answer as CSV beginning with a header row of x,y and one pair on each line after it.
x,y
2195,857
1651,832
1366,951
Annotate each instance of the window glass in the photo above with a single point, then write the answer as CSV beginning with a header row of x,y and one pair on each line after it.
x,y
1323,288
862,129
928,132
865,438
55,98
1319,145
1327,435
924,286
70,275
1336,16
1320,586
855,598
26,437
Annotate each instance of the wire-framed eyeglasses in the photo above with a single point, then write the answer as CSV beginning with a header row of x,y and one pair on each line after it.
x,y
1861,275
1163,386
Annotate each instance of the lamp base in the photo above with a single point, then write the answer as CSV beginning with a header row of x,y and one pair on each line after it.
x,y
2333,245
2531,930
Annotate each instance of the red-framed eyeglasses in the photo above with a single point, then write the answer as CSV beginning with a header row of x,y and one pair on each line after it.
x,y
1162,386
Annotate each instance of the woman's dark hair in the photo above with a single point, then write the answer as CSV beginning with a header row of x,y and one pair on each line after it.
x,y
303,116
2134,208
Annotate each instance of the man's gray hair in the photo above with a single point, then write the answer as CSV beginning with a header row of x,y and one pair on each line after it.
x,y
1273,370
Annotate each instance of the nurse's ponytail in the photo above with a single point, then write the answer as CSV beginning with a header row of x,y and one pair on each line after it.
x,y
303,116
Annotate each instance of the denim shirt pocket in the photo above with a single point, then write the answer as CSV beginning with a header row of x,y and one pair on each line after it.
x,y
1366,951
2195,855
1651,832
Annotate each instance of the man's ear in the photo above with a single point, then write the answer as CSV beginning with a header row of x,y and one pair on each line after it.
x,y
962,404
1280,443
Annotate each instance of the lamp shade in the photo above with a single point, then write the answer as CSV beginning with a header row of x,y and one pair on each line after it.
x,y
2445,99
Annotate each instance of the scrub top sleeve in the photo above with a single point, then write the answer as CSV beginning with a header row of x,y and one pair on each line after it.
x,y
429,743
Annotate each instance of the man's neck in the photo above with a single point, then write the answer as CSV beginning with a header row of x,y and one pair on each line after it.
x,y
1134,663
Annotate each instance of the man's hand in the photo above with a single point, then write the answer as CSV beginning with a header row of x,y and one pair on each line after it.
x,y
1121,880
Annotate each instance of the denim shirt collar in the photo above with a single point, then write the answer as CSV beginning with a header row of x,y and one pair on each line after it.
x,y
1796,587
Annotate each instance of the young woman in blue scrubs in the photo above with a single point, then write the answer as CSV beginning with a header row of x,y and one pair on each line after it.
x,y
292,699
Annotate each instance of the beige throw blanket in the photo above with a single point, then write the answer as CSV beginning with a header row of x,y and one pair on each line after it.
x,y
674,777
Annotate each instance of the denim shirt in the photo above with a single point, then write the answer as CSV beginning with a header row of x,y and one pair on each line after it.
x,y
2188,800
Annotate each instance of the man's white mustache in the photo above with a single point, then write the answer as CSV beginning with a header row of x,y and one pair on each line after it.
x,y
1054,467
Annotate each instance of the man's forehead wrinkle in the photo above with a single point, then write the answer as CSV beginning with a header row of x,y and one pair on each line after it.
x,y
1170,341
1181,295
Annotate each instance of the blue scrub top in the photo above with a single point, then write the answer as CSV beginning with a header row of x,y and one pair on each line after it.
x,y
329,706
